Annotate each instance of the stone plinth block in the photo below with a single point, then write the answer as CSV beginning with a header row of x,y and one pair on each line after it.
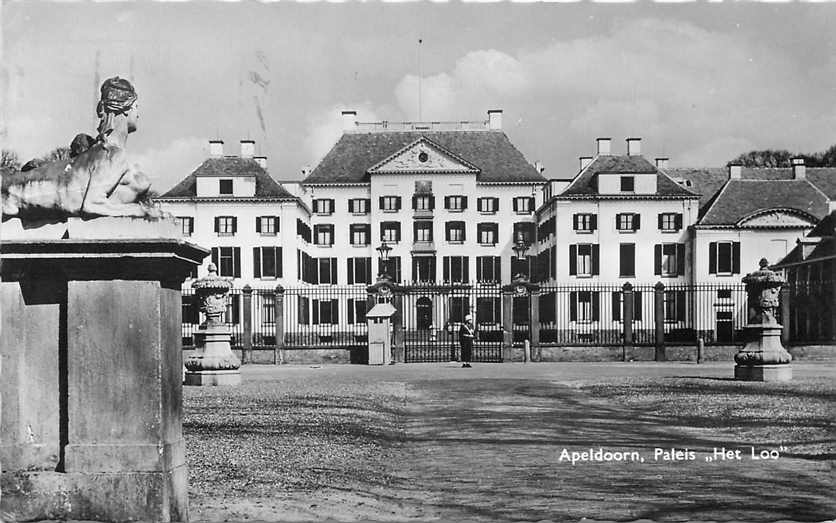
x,y
780,372
92,384
213,377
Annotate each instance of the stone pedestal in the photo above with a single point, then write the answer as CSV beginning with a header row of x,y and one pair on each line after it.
x,y
214,363
91,389
763,358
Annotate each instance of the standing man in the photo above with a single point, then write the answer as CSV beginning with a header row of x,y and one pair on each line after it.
x,y
466,340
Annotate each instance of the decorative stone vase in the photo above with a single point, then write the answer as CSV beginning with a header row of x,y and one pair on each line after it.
x,y
214,363
763,358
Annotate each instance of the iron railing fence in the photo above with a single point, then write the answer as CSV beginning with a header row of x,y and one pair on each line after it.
x,y
433,315
812,311
584,315
326,317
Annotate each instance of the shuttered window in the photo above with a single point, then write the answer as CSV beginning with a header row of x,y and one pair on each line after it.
x,y
267,262
724,258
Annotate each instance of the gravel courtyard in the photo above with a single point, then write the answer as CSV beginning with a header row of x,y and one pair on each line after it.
x,y
495,443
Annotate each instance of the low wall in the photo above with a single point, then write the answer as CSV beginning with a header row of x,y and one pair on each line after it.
x,y
547,354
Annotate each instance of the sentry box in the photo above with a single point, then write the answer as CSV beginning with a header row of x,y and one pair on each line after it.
x,y
379,320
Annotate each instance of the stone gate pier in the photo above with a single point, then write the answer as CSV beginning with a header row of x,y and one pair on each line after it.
x,y
92,396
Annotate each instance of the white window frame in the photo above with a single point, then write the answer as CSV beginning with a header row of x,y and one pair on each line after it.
x,y
485,205
456,232
186,225
584,260
730,258
267,224
323,206
226,225
390,204
669,260
488,236
359,234
389,232
628,219
425,231
455,203
423,202
583,308
523,205
359,206
325,231
584,222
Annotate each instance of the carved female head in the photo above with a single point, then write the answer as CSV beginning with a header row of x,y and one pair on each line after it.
x,y
118,98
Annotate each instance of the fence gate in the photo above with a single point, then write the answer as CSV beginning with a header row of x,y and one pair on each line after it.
x,y
433,314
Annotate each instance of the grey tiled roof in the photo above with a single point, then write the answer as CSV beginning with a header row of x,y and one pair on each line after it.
x,y
740,198
586,184
826,248
265,186
706,182
490,151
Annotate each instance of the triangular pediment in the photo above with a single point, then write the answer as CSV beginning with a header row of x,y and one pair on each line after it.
x,y
425,157
777,218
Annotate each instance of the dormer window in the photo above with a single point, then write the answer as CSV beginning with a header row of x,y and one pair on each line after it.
x,y
225,186
628,184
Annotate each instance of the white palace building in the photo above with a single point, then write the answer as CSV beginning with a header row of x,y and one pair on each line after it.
x,y
446,197
451,199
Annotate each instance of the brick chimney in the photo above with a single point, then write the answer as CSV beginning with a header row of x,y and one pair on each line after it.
x,y
603,145
634,146
495,119
735,171
799,170
661,163
585,160
261,161
247,148
216,148
538,166
349,121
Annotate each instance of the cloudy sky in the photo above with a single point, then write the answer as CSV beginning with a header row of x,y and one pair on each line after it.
x,y
699,83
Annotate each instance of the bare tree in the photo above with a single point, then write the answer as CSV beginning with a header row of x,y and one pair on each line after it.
x,y
9,160
59,153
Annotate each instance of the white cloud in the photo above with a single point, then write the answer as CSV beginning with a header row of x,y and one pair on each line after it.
x,y
693,94
168,165
325,127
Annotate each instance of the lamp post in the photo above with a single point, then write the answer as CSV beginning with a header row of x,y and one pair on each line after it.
x,y
384,251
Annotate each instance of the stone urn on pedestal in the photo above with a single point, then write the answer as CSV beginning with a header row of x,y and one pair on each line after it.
x,y
214,363
763,358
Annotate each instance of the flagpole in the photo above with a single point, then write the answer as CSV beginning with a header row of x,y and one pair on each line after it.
x,y
420,74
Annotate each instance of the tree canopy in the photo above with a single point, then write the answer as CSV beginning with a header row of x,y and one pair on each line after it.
x,y
782,157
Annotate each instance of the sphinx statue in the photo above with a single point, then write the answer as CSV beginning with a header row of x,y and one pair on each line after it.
x,y
97,179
